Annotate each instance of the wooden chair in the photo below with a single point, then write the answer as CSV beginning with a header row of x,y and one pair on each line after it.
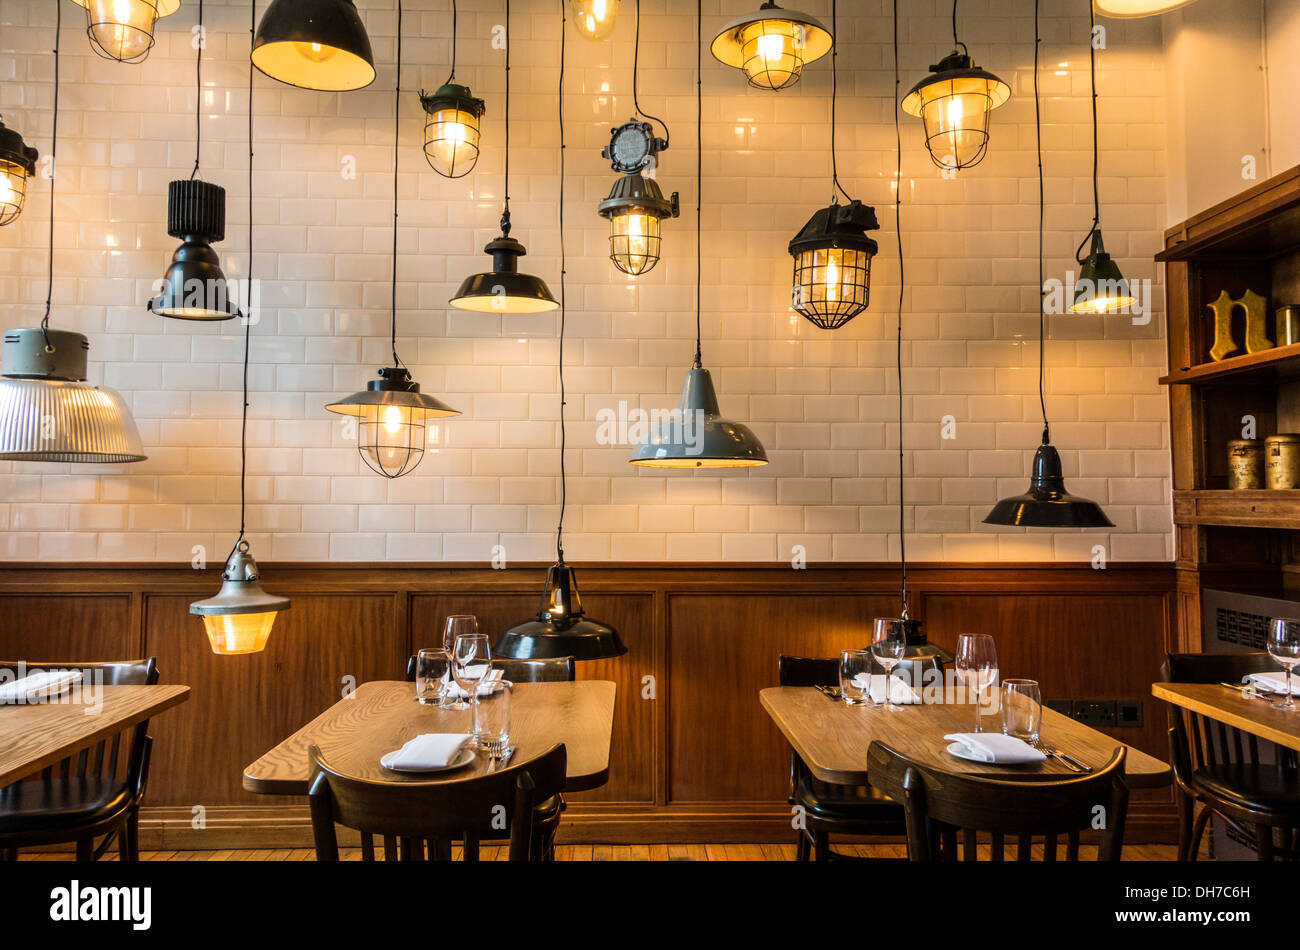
x,y
938,805
408,816
1219,766
559,670
838,809
97,792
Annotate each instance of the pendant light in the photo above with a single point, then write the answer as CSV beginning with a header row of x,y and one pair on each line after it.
x,y
451,131
503,289
595,19
636,205
772,45
391,411
17,165
1121,9
314,44
832,253
1046,504
699,437
954,103
1100,287
560,627
47,412
240,617
123,29
194,287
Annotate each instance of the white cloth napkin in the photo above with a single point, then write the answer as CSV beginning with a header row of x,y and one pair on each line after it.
x,y
433,750
1273,683
38,686
454,691
995,747
899,690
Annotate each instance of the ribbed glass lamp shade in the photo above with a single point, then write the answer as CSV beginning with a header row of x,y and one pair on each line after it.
x,y
635,207
832,264
1136,8
772,45
451,130
1047,504
954,103
123,30
560,627
314,44
194,287
503,289
17,165
47,412
595,19
698,437
391,414
240,617
1100,287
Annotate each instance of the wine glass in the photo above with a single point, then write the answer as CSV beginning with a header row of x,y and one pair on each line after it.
x,y
1284,647
471,661
888,642
457,625
977,665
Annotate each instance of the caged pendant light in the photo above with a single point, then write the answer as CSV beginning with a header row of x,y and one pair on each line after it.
x,y
595,19
699,436
560,627
953,104
772,45
17,166
1046,504
504,289
451,125
832,253
314,44
391,412
123,29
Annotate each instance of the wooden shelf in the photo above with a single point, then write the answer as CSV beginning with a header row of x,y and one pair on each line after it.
x,y
1281,362
1265,508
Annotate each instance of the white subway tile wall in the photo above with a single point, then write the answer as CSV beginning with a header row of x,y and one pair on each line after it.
x,y
823,402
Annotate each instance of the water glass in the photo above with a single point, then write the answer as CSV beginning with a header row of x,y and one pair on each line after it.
x,y
855,677
432,673
458,625
492,718
1022,710
977,666
888,644
1284,647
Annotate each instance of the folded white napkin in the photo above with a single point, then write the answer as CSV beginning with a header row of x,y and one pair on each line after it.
x,y
1273,683
454,691
900,691
996,747
433,750
39,686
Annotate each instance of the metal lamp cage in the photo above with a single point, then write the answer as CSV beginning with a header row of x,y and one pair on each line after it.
x,y
123,30
772,53
634,241
832,285
13,188
451,130
954,105
391,439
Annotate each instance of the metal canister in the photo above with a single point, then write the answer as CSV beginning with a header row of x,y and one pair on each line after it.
x,y
1245,464
1282,460
1287,326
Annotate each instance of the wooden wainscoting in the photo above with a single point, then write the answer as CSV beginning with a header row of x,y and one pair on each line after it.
x,y
695,758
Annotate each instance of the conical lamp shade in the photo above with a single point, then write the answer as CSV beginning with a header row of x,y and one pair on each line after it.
x,y
315,44
699,437
1047,504
1101,288
560,627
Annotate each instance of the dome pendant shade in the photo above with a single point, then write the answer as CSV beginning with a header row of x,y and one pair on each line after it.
x,y
832,264
772,45
1122,9
451,129
314,44
123,30
1047,504
503,289
194,287
391,412
698,436
595,19
17,165
634,208
239,618
954,103
1100,287
49,414
560,627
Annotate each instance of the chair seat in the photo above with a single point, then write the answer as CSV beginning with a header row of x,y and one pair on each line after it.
x,y
48,804
848,803
1260,788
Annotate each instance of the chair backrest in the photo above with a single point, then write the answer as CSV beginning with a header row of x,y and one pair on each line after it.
x,y
104,759
432,813
938,805
558,670
825,671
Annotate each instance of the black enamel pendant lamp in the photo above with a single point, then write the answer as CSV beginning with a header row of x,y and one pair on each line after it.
x,y
391,412
560,628
315,44
1047,503
503,289
122,30
772,45
699,436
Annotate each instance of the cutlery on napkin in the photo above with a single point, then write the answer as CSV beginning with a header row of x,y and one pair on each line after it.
x,y
900,691
994,747
1273,683
433,750
37,686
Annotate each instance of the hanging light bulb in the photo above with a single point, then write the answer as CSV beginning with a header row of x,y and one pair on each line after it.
x,y
595,19
699,436
954,103
634,208
832,264
123,29
314,44
392,415
17,165
1136,8
194,287
772,45
240,617
451,130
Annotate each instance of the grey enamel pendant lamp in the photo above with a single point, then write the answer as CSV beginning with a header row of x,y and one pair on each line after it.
x,y
561,627
700,436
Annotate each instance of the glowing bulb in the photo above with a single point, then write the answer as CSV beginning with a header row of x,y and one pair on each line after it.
x,y
832,277
315,52
392,419
7,194
771,47
122,11
595,19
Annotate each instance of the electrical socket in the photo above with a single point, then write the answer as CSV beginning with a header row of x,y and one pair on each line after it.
x,y
1128,712
1095,712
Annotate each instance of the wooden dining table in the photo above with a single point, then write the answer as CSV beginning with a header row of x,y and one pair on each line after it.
x,y
1247,713
37,735
832,738
382,715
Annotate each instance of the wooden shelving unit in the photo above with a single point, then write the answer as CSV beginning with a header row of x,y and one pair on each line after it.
x,y
1236,539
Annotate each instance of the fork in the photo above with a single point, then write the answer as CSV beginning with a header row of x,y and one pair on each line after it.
x,y
1074,765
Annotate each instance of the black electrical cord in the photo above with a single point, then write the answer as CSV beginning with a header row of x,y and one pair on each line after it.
x,y
248,316
54,170
636,60
898,229
835,41
397,138
199,41
1042,310
1092,72
452,74
699,171
564,482
956,42
505,213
